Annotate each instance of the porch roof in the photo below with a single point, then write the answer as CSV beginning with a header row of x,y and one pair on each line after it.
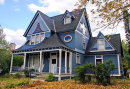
x,y
52,42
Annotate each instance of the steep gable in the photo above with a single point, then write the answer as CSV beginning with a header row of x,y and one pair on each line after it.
x,y
45,22
101,39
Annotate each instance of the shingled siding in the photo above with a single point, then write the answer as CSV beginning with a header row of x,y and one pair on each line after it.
x,y
70,44
115,61
43,26
82,61
46,62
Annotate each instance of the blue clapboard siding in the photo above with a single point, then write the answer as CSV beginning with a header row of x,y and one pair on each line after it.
x,y
74,61
107,57
43,26
107,46
90,59
83,19
115,61
46,62
79,43
70,44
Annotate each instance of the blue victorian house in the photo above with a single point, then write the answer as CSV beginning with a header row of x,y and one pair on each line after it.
x,y
59,44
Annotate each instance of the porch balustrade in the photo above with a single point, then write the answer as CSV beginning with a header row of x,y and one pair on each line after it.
x,y
56,70
18,69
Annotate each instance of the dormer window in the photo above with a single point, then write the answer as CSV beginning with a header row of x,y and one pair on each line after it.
x,y
37,38
67,20
101,44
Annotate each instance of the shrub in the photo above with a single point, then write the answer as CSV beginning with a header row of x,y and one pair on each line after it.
x,y
17,75
103,71
7,75
81,71
50,77
27,72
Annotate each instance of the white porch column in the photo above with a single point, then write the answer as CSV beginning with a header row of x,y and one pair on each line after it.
x,y
60,60
24,61
65,62
11,63
40,61
70,62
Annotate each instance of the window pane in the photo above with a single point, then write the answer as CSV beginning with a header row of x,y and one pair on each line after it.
x,y
101,47
67,20
101,44
37,39
32,40
53,61
42,37
98,61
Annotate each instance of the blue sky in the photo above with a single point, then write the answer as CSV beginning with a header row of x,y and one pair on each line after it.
x,y
16,15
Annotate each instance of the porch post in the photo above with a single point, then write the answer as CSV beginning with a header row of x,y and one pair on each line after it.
x,y
60,59
65,62
40,61
24,60
11,63
70,62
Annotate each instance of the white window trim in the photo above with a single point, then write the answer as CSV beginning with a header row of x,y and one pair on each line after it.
x,y
98,58
77,54
98,44
67,40
65,19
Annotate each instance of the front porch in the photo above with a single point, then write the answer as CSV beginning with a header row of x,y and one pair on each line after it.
x,y
58,62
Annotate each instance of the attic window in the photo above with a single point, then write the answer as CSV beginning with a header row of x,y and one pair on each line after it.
x,y
67,38
101,44
67,20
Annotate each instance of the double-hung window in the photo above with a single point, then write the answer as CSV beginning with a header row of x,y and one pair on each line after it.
x,y
67,20
37,39
77,58
101,44
33,40
98,59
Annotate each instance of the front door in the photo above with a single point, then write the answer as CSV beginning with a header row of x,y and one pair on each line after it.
x,y
53,62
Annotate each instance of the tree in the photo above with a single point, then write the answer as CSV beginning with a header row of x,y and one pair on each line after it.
x,y
126,60
5,53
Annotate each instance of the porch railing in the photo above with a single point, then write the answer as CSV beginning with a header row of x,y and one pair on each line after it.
x,y
18,69
56,70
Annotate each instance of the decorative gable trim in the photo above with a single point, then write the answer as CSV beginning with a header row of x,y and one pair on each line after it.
x,y
33,21
38,28
100,34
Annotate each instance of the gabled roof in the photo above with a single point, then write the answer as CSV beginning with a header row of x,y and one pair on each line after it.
x,y
57,22
48,21
67,12
115,41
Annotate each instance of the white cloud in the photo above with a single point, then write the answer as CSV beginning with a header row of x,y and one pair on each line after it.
x,y
53,6
16,9
1,2
15,36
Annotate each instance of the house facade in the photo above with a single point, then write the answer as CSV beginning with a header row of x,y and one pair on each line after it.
x,y
59,44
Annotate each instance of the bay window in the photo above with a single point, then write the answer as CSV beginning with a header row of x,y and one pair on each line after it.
x,y
37,38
